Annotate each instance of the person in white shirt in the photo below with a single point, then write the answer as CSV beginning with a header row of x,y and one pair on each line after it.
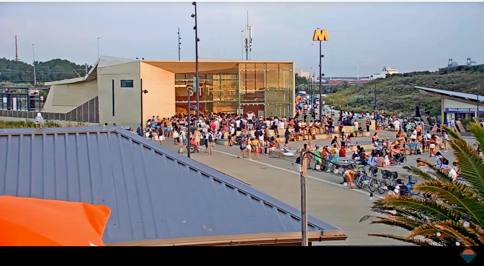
x,y
237,124
451,173
396,125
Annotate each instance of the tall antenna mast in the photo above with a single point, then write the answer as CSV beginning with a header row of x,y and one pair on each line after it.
x,y
248,39
16,49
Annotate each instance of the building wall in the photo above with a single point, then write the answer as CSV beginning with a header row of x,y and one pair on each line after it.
x,y
127,101
455,104
160,99
73,95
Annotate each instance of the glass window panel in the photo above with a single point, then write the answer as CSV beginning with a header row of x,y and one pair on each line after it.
x,y
278,110
272,77
250,66
229,90
260,80
180,76
207,90
285,66
284,79
278,96
272,66
226,107
260,66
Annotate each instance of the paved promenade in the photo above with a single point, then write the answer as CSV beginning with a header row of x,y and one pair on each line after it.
x,y
327,200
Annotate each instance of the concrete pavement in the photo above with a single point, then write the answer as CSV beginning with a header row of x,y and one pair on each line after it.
x,y
327,200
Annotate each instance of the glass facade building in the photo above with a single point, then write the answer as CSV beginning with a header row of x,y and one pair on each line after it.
x,y
267,89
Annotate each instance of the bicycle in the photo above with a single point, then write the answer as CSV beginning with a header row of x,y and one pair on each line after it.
x,y
362,180
389,178
353,165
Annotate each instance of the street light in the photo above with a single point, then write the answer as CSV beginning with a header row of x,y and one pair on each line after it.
x,y
179,45
196,63
98,53
242,42
358,77
320,80
33,58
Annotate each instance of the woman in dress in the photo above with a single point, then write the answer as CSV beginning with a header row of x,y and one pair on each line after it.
x,y
197,135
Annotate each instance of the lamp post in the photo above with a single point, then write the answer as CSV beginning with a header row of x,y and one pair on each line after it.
x,y
304,215
320,80
358,73
188,118
33,63
179,45
374,92
196,62
98,50
242,42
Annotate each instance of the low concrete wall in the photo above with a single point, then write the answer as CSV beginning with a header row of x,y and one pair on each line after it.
x,y
60,122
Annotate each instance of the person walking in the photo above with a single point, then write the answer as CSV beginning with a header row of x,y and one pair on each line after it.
x,y
210,140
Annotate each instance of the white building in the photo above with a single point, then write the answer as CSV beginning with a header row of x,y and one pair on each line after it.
x,y
386,70
457,105
303,73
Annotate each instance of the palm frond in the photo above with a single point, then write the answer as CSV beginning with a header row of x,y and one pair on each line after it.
x,y
477,231
470,164
451,230
455,194
424,242
420,173
477,132
402,222
453,134
426,207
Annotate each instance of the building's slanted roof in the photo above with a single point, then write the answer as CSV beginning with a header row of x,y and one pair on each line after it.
x,y
461,95
156,195
103,61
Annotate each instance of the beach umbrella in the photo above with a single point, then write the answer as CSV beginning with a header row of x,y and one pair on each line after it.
x,y
40,222
417,111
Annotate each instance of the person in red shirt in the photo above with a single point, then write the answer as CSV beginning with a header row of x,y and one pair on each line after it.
x,y
342,151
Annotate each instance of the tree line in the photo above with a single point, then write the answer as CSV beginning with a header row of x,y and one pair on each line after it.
x,y
56,69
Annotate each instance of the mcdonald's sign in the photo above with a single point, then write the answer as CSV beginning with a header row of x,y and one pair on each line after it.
x,y
320,35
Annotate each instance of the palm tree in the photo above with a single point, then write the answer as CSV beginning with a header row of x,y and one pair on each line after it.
x,y
454,215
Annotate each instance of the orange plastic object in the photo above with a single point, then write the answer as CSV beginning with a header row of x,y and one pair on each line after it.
x,y
39,222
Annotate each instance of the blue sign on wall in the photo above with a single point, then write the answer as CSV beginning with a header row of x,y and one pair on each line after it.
x,y
463,110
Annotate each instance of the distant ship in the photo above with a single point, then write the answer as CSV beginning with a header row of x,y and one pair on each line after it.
x,y
386,70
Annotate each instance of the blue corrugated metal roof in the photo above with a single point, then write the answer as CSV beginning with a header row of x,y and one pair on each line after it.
x,y
153,192
461,95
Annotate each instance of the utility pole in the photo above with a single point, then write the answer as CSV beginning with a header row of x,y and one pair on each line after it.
x,y
16,49
98,50
320,80
33,57
374,92
248,39
86,69
242,42
304,215
196,66
179,45
478,86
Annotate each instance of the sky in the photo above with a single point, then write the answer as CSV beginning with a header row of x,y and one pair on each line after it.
x,y
406,36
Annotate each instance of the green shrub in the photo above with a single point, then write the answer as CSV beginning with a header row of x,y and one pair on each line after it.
x,y
31,124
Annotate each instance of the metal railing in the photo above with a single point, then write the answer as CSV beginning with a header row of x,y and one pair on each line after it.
x,y
87,112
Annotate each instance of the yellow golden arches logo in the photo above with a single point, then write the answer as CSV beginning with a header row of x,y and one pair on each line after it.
x,y
320,35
